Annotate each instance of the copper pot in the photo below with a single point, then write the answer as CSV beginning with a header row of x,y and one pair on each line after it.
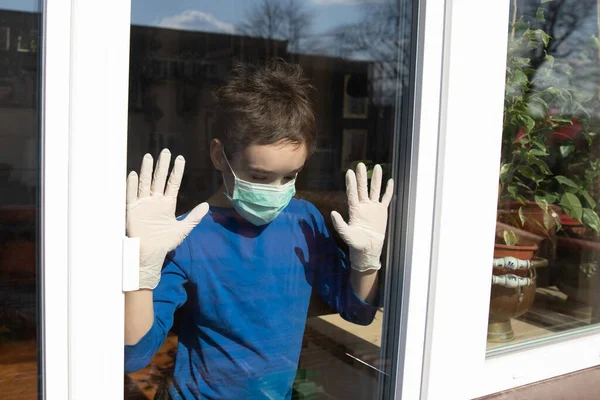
x,y
514,298
505,304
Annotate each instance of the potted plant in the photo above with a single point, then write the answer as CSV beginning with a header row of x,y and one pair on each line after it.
x,y
515,242
547,168
549,163
513,279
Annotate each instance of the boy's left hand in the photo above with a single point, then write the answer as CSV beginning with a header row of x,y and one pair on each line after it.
x,y
365,231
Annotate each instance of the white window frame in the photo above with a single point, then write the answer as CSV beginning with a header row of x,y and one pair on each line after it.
x,y
86,75
85,141
472,95
56,49
421,191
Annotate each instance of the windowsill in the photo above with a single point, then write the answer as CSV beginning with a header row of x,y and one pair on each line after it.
x,y
354,344
523,331
577,385
551,313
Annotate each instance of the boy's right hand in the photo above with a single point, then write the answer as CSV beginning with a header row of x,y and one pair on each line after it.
x,y
151,214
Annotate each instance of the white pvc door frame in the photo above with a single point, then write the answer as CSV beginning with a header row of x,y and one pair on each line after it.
x,y
85,129
55,106
471,105
85,126
456,364
417,251
85,81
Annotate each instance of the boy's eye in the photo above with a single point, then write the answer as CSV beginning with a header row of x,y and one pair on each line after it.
x,y
259,178
289,178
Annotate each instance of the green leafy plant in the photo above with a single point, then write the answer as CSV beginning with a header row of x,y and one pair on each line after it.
x,y
547,155
510,238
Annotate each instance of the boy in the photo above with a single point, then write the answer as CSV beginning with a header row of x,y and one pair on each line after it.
x,y
242,266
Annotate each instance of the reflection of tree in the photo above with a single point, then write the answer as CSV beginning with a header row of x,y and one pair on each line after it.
x,y
567,22
278,19
382,37
570,52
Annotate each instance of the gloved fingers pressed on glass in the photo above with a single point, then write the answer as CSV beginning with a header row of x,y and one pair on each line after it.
x,y
160,173
175,178
376,183
151,214
365,230
145,176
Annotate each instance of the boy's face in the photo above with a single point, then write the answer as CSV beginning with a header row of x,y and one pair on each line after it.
x,y
274,164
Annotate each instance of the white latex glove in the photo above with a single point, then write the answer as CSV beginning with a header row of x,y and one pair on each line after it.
x,y
365,231
151,214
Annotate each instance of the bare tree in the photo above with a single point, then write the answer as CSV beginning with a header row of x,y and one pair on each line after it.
x,y
571,53
280,20
383,37
568,23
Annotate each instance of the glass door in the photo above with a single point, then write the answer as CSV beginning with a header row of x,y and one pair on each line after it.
x,y
368,98
61,214
189,64
21,211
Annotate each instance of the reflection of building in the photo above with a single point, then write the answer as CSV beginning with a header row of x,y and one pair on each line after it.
x,y
170,104
19,167
18,108
19,180
172,74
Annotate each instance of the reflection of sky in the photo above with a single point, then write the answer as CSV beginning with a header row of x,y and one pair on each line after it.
x,y
223,15
220,15
20,5
226,16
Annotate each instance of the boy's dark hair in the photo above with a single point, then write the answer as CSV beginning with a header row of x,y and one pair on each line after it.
x,y
265,104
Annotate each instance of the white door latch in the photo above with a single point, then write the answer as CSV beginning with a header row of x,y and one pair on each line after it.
x,y
131,264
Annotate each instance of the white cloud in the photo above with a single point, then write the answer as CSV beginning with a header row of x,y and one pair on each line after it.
x,y
196,20
344,2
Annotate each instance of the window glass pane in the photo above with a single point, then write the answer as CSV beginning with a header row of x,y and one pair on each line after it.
x,y
252,307
19,198
548,188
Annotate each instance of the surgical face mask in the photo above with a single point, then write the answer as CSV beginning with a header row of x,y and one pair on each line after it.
x,y
257,202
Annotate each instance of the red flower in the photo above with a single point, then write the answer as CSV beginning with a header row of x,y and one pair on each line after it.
x,y
568,131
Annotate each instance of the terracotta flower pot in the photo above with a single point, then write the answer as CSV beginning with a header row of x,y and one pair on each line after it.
x,y
520,252
571,225
569,221
525,238
508,213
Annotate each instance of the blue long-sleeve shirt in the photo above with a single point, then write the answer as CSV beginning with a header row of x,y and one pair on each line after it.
x,y
244,292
